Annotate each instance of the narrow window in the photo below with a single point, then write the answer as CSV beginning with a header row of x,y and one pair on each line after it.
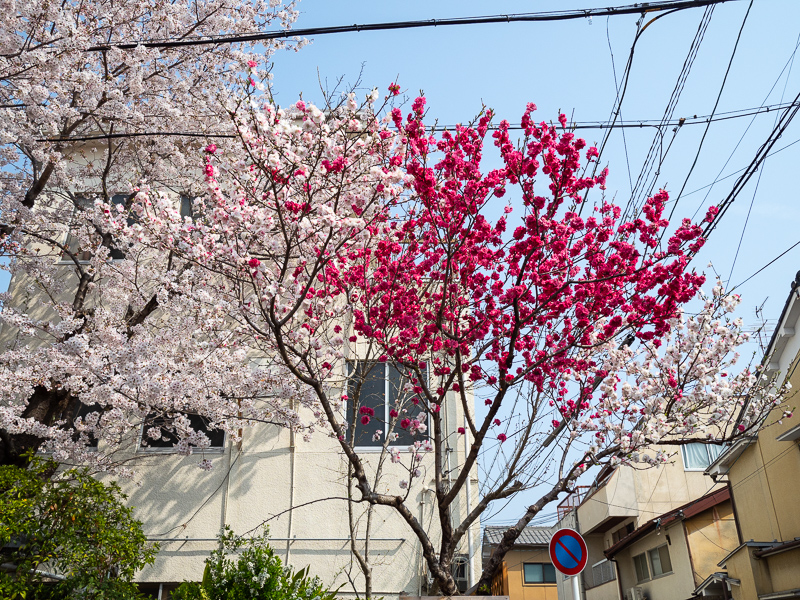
x,y
660,561
384,388
640,564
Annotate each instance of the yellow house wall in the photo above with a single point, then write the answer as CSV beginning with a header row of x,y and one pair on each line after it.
x,y
711,535
764,480
752,573
764,485
513,574
784,569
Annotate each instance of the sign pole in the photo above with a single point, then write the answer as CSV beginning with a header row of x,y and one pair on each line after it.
x,y
576,588
569,556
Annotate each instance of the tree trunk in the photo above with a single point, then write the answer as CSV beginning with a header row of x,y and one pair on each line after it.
x,y
47,407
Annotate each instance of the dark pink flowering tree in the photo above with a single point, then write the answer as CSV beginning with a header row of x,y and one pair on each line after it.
x,y
563,322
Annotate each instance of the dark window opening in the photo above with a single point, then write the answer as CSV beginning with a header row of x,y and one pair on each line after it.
x,y
539,573
381,392
169,437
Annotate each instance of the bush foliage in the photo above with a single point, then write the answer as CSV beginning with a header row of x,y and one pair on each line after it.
x,y
70,525
254,573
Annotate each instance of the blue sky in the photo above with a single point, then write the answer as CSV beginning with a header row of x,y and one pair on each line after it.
x,y
568,66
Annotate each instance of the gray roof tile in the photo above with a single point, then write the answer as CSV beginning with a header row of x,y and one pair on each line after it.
x,y
533,536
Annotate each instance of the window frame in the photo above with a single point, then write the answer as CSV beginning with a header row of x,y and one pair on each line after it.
x,y
544,580
148,449
644,559
350,407
85,256
707,448
657,549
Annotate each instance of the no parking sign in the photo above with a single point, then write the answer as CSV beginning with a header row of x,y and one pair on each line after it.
x,y
568,551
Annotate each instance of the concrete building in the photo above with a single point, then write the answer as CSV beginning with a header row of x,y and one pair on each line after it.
x,y
526,572
299,486
619,501
763,472
674,556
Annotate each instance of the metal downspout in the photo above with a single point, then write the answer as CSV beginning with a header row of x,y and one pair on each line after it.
x,y
470,548
292,451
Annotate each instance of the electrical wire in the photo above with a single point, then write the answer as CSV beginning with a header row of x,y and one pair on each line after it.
x,y
562,15
761,172
788,62
616,87
642,189
781,255
729,175
716,104
578,125
783,123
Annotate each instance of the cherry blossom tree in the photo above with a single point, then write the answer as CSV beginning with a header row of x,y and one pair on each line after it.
x,y
80,119
344,241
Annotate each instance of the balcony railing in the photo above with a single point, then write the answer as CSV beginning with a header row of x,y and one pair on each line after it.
x,y
572,501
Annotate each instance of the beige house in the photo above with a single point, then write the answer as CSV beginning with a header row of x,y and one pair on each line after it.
x,y
299,486
763,474
674,556
622,499
526,573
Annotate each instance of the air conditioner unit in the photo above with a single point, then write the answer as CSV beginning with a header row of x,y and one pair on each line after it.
x,y
635,593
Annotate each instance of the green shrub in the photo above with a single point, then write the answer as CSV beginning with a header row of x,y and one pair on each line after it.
x,y
255,573
71,525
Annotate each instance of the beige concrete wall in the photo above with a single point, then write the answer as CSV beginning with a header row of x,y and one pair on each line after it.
x,y
174,499
784,569
513,574
616,498
677,585
711,536
642,493
660,490
753,574
607,591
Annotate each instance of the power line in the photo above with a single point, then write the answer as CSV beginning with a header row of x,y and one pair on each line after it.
x,y
716,104
562,15
738,143
761,172
729,175
643,189
781,255
633,124
783,122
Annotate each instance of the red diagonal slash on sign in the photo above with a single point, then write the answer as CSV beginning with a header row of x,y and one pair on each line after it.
x,y
560,543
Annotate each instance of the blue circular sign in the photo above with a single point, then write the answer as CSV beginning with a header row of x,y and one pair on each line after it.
x,y
568,551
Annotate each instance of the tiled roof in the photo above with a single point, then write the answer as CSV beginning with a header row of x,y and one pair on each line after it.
x,y
530,536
